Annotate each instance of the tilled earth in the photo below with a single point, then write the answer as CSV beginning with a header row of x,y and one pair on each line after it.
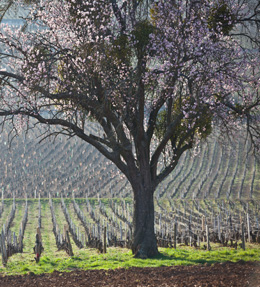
x,y
228,274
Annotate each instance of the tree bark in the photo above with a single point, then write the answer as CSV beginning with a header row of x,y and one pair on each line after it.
x,y
144,244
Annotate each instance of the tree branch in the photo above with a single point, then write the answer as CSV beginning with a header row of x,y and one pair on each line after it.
x,y
118,15
168,134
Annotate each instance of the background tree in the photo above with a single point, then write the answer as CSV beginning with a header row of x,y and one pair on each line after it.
x,y
156,78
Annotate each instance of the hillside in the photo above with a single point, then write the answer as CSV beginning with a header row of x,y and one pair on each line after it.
x,y
218,170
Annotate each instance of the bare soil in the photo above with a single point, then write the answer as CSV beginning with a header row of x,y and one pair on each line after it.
x,y
228,274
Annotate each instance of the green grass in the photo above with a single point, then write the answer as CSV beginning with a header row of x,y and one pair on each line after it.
x,y
122,258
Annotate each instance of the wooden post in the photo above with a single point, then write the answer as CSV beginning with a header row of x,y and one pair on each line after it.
x,y
20,241
207,234
3,249
203,223
243,238
70,252
219,234
121,232
248,227
39,233
39,213
105,241
175,235
108,238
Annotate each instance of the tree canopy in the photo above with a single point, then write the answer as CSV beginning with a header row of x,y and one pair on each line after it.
x,y
156,77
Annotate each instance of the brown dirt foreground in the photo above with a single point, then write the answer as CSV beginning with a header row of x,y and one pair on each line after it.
x,y
226,274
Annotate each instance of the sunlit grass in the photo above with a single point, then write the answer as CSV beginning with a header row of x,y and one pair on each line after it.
x,y
122,258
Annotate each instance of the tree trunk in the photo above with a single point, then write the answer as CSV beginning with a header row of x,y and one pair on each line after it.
x,y
144,243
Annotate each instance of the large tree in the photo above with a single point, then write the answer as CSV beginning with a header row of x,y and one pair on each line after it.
x,y
156,77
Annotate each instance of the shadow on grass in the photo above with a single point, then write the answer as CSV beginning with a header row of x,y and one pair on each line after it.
x,y
177,258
